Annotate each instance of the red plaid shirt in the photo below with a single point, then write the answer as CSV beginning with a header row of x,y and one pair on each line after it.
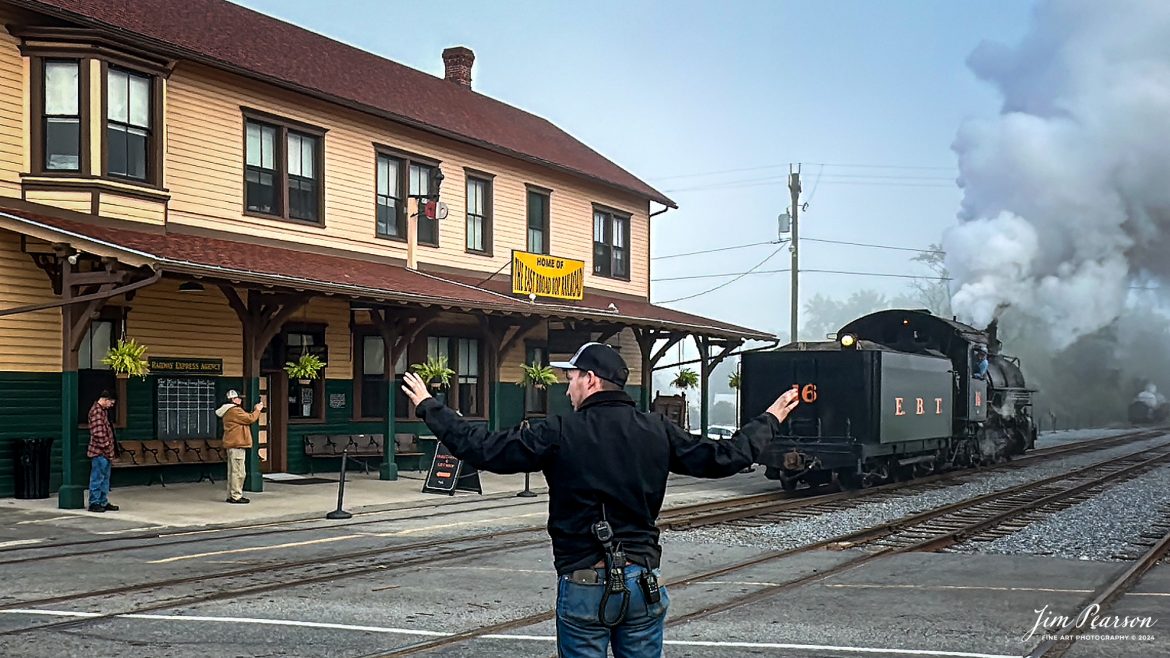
x,y
101,433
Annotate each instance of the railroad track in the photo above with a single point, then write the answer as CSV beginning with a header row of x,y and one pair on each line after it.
x,y
754,506
1066,636
410,555
931,530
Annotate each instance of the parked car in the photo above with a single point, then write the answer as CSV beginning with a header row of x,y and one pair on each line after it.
x,y
720,431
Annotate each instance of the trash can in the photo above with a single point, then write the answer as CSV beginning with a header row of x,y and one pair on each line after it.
x,y
33,458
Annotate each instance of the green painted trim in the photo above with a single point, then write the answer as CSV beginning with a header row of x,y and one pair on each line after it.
x,y
388,469
31,409
74,474
253,478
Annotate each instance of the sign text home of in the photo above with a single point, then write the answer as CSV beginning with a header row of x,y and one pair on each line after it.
x,y
547,276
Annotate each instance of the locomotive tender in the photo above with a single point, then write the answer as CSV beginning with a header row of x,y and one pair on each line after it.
x,y
897,395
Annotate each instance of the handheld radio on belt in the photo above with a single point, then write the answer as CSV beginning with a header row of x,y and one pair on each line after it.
x,y
615,575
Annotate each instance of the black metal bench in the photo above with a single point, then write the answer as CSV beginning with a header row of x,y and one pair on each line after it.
x,y
169,452
352,445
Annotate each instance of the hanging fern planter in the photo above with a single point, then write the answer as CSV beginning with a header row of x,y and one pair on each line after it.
x,y
686,378
436,374
305,369
128,359
537,376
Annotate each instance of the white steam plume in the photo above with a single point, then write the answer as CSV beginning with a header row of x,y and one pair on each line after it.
x,y
1067,192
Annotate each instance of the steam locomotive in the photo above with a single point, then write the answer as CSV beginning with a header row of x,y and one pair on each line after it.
x,y
1149,407
899,394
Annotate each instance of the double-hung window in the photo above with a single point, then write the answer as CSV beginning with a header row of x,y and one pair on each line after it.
x,y
302,177
374,387
129,140
61,105
283,170
611,244
391,214
538,217
479,206
420,185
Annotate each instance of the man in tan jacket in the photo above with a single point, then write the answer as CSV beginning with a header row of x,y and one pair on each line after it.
x,y
237,438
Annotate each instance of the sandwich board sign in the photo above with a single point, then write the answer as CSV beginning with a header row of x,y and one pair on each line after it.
x,y
448,474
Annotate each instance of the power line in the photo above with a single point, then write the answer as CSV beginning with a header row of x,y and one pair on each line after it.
x,y
821,164
802,271
909,182
725,283
875,246
711,251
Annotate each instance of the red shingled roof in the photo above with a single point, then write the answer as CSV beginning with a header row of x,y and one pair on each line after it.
x,y
229,36
286,266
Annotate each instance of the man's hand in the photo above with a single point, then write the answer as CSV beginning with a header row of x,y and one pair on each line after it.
x,y
259,406
415,388
785,404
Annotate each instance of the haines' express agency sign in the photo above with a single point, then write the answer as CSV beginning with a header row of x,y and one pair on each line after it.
x,y
547,276
169,364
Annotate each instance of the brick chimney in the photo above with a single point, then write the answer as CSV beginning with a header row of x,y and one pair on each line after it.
x,y
458,61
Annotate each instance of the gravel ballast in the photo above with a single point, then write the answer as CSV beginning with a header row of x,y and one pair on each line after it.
x,y
1100,528
791,534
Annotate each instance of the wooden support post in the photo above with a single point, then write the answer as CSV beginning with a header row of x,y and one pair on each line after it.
x,y
261,318
75,320
388,328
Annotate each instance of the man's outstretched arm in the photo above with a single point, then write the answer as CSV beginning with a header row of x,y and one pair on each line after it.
x,y
516,450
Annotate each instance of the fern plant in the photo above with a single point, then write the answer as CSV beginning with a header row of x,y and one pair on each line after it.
x,y
434,368
308,366
128,359
686,378
537,376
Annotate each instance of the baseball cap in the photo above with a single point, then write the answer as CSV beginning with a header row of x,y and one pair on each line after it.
x,y
233,394
603,360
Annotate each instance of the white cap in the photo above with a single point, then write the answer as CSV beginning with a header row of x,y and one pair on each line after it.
x,y
232,394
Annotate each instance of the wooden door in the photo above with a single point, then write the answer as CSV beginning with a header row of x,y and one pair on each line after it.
x,y
273,423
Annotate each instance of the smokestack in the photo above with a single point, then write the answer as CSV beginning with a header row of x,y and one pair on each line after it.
x,y
458,61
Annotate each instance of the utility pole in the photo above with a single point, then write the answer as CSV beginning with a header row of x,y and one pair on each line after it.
x,y
793,247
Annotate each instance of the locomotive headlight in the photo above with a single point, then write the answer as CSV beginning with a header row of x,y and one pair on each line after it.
x,y
848,340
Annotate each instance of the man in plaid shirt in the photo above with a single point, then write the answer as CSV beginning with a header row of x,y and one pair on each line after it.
x,y
100,452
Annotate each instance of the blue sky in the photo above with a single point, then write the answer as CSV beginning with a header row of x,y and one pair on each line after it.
x,y
680,88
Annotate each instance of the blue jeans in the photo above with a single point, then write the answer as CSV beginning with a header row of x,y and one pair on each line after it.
x,y
99,481
581,635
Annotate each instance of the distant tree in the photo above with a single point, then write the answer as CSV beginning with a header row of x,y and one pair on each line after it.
x,y
824,315
722,413
933,293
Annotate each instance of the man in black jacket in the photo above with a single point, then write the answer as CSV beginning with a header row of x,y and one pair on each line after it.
x,y
606,466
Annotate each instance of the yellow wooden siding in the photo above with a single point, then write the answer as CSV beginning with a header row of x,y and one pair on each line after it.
x,y
69,200
205,160
335,313
191,325
29,342
510,371
120,206
13,109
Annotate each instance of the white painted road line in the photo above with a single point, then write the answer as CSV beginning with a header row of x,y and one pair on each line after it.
x,y
20,542
871,651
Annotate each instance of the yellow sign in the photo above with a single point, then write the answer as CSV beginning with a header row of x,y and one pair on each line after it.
x,y
547,276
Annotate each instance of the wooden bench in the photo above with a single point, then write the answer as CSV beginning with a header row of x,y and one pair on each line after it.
x,y
169,452
352,445
407,446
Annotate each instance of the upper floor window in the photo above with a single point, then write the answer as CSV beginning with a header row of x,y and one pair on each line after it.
x,y
391,216
611,250
538,206
400,176
420,185
128,124
478,215
283,171
61,111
